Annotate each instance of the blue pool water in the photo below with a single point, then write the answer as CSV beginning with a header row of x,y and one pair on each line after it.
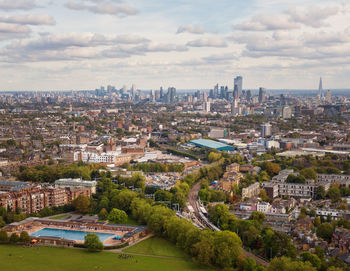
x,y
68,234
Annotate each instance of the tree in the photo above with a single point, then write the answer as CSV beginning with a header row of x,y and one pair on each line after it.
x,y
2,222
263,195
3,237
312,258
93,243
117,216
309,173
320,192
303,213
287,264
334,194
296,179
272,168
82,204
325,231
123,200
14,238
46,212
257,216
24,237
103,214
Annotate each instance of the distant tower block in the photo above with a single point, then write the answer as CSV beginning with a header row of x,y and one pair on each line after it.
x,y
320,90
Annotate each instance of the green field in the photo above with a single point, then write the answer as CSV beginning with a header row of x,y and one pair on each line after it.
x,y
156,246
17,258
59,216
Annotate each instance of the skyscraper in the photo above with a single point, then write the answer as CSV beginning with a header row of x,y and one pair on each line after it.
x,y
266,130
262,95
320,90
237,87
172,94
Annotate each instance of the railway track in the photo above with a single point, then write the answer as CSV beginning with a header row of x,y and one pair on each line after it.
x,y
202,221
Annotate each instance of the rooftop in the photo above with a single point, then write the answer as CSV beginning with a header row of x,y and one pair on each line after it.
x,y
210,144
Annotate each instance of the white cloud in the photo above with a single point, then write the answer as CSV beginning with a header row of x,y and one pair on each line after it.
x,y
313,16
18,4
30,19
190,28
103,8
267,23
208,42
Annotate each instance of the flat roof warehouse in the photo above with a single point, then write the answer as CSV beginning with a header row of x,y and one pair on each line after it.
x,y
211,144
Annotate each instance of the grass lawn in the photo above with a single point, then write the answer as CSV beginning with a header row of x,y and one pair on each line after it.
x,y
59,216
156,246
17,258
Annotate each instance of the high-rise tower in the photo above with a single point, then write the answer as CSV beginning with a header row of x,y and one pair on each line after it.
x,y
320,90
237,87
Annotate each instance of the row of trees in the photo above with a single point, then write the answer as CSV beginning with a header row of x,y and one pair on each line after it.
x,y
157,167
49,174
14,238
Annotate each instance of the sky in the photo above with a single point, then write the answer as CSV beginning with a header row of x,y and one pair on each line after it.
x,y
188,44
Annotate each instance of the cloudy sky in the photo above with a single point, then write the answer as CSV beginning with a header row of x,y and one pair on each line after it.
x,y
82,44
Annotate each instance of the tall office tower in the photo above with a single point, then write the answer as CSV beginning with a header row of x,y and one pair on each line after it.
x,y
207,106
262,95
157,95
266,130
216,91
161,92
172,94
133,90
237,86
226,96
222,92
152,96
328,97
249,95
283,99
205,96
320,90
211,94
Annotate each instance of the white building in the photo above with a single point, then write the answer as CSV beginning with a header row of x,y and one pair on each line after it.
x,y
263,207
76,183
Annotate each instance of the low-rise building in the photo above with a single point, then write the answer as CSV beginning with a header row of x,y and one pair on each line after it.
x,y
251,191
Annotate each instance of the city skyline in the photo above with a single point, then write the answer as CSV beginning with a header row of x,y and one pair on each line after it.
x,y
82,44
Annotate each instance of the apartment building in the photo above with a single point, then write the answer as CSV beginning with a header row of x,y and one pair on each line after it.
x,y
342,180
33,199
69,182
251,191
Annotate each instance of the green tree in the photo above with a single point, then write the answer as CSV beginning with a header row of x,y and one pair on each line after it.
x,y
334,194
103,214
123,200
325,231
287,264
3,237
46,212
93,243
312,258
309,173
82,204
272,168
24,237
2,222
14,238
257,216
117,216
320,192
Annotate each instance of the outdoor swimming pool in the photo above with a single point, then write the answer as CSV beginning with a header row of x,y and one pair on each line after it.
x,y
68,234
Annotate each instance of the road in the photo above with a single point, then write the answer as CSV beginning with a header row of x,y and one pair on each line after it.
x,y
192,200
